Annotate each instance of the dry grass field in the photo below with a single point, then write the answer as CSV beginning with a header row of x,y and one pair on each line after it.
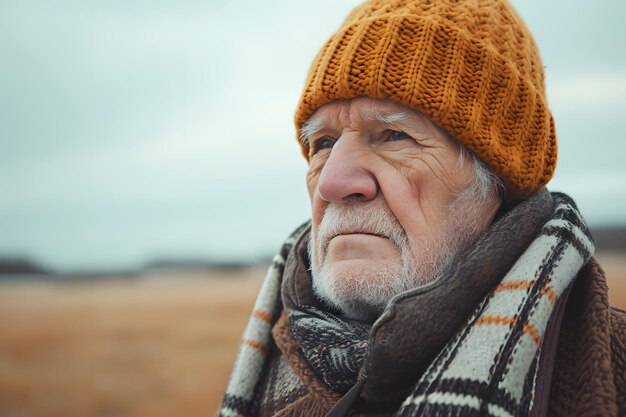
x,y
138,347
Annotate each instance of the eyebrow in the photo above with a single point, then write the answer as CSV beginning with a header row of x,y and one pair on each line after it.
x,y
389,118
310,128
384,117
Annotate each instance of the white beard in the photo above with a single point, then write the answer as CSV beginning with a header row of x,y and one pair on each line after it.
x,y
363,293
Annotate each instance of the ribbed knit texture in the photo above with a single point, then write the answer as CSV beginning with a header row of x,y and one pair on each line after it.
x,y
470,65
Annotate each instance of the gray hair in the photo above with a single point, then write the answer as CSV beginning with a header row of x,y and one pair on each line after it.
x,y
485,181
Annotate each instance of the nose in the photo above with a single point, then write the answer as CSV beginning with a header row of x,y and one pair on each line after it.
x,y
345,176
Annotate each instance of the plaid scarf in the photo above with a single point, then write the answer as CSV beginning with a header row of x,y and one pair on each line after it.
x,y
334,347
254,349
489,367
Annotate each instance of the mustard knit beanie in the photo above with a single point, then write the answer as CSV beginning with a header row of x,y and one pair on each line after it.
x,y
470,65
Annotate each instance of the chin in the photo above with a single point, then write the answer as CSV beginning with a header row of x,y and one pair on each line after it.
x,y
360,290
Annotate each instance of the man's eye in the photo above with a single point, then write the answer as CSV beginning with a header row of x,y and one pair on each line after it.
x,y
397,135
323,143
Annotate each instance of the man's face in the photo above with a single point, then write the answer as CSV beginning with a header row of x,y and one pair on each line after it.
x,y
384,183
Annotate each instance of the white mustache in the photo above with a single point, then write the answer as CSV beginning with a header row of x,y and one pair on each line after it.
x,y
339,220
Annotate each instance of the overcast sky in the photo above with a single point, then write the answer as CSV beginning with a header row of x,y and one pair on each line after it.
x,y
131,130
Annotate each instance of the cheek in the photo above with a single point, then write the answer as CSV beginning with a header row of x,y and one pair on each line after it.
x,y
313,176
418,194
311,183
317,202
402,187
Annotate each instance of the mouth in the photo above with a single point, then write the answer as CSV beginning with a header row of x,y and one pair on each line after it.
x,y
327,242
356,233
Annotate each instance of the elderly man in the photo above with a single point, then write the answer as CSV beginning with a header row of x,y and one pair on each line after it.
x,y
437,275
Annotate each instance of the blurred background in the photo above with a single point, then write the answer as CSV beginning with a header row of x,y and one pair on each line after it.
x,y
149,170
